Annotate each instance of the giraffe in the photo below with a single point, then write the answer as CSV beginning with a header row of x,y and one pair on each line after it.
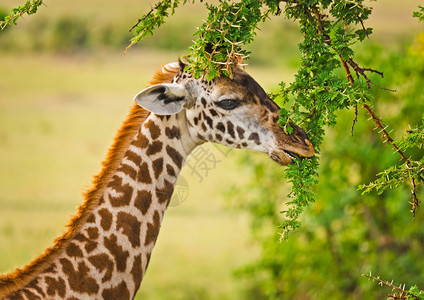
x,y
106,249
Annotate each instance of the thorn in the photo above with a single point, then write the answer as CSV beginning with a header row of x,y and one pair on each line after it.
x,y
383,129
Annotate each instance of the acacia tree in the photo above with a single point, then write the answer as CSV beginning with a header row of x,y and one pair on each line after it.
x,y
329,28
330,78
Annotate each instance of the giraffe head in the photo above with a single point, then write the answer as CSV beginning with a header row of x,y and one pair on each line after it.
x,y
234,112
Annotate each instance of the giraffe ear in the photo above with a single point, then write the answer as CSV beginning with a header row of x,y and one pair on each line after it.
x,y
163,99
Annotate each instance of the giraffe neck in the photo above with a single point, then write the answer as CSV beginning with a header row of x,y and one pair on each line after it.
x,y
107,255
127,220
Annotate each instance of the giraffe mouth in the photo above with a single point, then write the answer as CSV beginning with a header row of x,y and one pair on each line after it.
x,y
285,157
293,156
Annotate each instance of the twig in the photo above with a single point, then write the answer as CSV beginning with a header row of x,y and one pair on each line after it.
x,y
20,12
152,9
390,284
383,127
346,67
416,202
363,27
361,71
354,120
318,18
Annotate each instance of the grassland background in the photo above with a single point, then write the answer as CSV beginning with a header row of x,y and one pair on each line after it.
x,y
60,108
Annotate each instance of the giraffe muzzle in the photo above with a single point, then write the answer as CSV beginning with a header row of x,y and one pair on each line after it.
x,y
297,150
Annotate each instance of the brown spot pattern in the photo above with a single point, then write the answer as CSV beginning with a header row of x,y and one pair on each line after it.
x,y
89,244
254,137
165,193
175,156
230,128
174,132
102,262
73,250
91,218
209,121
170,170
153,128
213,112
152,230
101,201
79,280
137,271
19,295
144,174
120,255
154,148
124,192
128,170
157,167
141,141
106,219
93,233
240,132
55,286
34,285
130,227
143,201
132,156
50,269
220,127
118,292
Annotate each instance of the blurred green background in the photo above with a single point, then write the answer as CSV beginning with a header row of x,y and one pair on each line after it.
x,y
65,87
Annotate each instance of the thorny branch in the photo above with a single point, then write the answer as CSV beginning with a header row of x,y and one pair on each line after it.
x,y
354,120
361,72
386,135
346,67
404,294
152,9
377,120
29,8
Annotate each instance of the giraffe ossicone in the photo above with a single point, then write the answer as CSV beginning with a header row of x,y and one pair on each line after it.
x,y
105,252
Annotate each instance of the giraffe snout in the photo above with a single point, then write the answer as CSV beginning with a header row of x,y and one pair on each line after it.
x,y
301,138
291,147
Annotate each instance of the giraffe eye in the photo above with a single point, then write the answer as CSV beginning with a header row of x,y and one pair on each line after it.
x,y
228,104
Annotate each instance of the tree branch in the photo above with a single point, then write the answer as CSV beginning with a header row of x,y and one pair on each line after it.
x,y
152,9
383,127
404,294
361,72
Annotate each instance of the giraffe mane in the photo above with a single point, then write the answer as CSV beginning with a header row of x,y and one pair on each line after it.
x,y
16,279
